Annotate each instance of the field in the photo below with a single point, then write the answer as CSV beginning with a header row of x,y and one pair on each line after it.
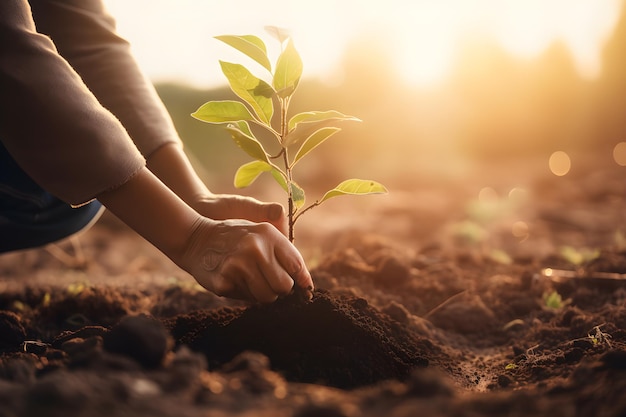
x,y
498,293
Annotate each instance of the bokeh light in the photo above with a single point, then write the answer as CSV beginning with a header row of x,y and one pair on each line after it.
x,y
520,230
487,195
619,154
560,163
518,195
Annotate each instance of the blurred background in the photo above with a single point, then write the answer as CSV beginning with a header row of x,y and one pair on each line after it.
x,y
446,90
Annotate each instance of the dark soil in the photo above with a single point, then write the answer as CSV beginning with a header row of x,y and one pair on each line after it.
x,y
337,341
427,316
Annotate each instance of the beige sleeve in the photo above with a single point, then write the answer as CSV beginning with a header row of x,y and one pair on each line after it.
x,y
85,35
63,128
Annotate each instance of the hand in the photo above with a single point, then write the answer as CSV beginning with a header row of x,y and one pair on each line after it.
x,y
244,260
171,165
226,206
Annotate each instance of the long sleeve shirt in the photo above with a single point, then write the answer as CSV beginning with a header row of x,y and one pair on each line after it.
x,y
76,112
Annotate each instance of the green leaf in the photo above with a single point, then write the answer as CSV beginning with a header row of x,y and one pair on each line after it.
x,y
225,111
244,127
313,142
280,34
248,173
297,194
355,187
316,116
254,91
280,179
302,125
248,143
288,71
250,45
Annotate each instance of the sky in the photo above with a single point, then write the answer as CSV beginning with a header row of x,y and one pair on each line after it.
x,y
174,40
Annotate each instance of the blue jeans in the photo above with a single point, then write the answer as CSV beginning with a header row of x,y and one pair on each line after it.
x,y
30,216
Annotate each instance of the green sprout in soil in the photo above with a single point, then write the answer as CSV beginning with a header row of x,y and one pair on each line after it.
x,y
554,300
531,357
599,338
578,257
296,135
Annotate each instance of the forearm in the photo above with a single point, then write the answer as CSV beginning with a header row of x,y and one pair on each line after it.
x,y
173,168
146,205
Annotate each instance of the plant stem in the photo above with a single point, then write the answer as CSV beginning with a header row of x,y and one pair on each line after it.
x,y
284,105
291,210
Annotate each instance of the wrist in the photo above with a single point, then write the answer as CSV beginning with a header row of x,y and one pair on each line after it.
x,y
147,206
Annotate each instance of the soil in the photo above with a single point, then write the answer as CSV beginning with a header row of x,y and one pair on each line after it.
x,y
429,301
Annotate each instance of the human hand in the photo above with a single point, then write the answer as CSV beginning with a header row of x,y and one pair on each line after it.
x,y
227,206
244,260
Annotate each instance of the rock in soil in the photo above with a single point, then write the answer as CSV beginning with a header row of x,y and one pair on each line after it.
x,y
140,337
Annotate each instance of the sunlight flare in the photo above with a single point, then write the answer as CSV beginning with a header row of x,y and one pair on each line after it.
x,y
173,41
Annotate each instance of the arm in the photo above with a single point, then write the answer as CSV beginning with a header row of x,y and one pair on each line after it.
x,y
233,258
50,122
85,35
171,165
65,140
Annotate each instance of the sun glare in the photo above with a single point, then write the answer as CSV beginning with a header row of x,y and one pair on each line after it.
x,y
173,41
429,34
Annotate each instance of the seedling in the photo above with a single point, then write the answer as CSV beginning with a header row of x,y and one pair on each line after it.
x,y
579,257
301,132
531,357
598,337
554,300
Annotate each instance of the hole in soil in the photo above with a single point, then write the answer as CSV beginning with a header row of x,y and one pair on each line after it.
x,y
336,341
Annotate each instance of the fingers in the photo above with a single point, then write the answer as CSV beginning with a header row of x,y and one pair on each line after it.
x,y
266,278
258,212
270,264
292,262
245,260
275,275
226,206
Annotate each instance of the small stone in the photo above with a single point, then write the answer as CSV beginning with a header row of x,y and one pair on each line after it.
x,y
397,312
504,381
140,337
426,383
614,359
12,333
392,271
247,361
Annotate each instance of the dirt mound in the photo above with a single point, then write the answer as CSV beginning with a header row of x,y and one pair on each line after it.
x,y
337,341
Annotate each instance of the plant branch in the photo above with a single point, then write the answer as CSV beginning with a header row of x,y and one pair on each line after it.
x,y
278,155
301,212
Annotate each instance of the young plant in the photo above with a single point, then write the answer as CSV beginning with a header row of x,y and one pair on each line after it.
x,y
599,338
554,300
301,132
